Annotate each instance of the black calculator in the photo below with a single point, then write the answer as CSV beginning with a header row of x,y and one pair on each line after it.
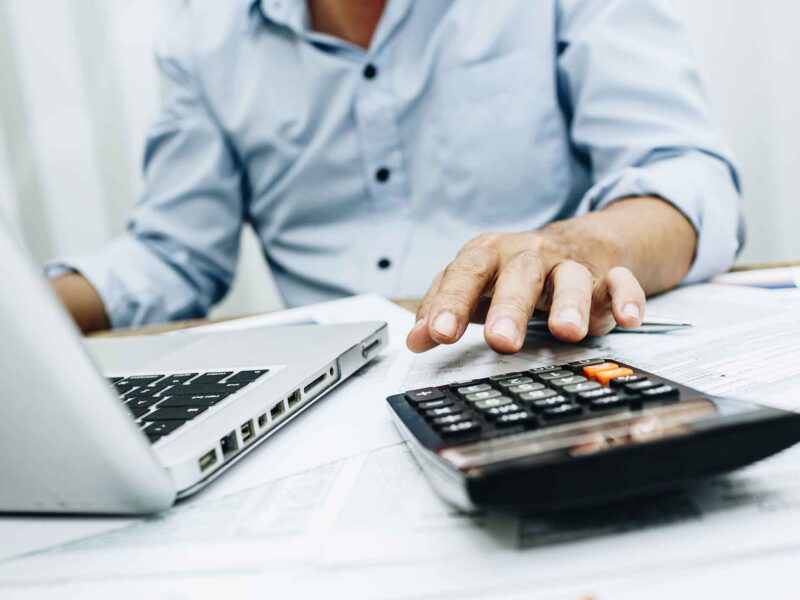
x,y
581,433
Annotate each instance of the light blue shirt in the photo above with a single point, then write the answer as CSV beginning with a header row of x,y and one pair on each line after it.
x,y
367,170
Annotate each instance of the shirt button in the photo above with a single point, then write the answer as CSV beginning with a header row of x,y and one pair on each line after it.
x,y
370,71
384,264
382,175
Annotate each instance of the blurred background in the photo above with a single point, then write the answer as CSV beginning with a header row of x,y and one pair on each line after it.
x,y
78,88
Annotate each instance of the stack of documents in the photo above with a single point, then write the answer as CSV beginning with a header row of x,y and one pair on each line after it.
x,y
335,504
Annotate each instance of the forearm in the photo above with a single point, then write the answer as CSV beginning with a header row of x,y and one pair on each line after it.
x,y
646,235
82,301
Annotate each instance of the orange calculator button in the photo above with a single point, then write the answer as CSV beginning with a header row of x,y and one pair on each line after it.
x,y
605,376
593,370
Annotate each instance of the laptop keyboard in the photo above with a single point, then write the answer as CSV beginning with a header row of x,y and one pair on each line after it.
x,y
160,404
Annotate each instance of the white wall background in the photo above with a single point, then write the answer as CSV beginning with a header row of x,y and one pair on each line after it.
x,y
78,88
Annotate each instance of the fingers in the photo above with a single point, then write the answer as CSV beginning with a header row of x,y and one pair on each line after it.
x,y
572,286
419,339
460,289
516,292
618,300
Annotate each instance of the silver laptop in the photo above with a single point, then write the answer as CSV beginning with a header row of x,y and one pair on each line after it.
x,y
129,425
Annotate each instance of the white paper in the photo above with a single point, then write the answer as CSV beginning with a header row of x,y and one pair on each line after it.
x,y
361,517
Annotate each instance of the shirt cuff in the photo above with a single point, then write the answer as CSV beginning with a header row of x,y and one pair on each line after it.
x,y
703,188
122,275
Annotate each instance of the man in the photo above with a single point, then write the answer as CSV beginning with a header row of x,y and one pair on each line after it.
x,y
556,153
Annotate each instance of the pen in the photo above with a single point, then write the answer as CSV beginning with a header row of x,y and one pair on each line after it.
x,y
651,324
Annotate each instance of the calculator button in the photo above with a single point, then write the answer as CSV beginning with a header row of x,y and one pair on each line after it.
x,y
515,418
492,402
497,411
425,395
657,393
540,405
539,370
562,411
551,375
460,384
608,402
473,389
462,429
537,395
507,383
565,381
449,420
444,411
505,376
482,395
638,386
593,370
526,387
576,388
605,377
619,382
584,397
578,365
434,404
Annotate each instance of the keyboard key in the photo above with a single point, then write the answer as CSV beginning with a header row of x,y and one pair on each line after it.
x,y
516,418
565,381
246,376
512,381
584,397
562,411
605,377
191,389
125,388
459,384
178,413
162,427
526,387
505,376
137,402
141,379
577,388
462,429
445,411
578,365
482,395
551,375
541,405
424,395
138,412
196,400
212,377
659,393
474,389
498,411
150,390
492,402
434,404
449,420
177,379
619,382
608,402
537,395
592,370
638,386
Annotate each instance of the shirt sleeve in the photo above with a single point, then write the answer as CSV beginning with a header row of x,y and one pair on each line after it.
x,y
179,253
639,117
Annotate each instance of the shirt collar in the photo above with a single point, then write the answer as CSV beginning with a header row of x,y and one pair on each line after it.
x,y
292,14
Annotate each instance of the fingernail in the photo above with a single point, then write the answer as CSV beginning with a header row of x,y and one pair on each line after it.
x,y
571,315
505,327
445,324
419,324
631,310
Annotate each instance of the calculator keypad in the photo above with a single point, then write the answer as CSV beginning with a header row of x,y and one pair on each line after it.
x,y
541,397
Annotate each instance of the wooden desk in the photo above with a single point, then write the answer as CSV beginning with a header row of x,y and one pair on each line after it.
x,y
409,304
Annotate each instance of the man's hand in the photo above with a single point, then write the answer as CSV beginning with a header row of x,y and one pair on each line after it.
x,y
584,271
